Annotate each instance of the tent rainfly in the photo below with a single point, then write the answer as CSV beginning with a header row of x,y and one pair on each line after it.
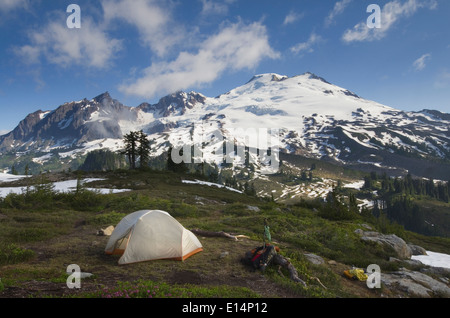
x,y
150,235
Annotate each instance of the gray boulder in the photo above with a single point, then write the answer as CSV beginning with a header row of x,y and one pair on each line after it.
x,y
402,250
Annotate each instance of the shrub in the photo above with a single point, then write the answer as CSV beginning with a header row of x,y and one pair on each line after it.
x,y
13,254
105,219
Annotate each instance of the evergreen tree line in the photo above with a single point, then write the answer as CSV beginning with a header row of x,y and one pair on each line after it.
x,y
407,186
103,160
396,199
337,208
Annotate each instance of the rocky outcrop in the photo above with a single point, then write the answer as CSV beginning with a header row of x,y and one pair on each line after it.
x,y
415,284
401,248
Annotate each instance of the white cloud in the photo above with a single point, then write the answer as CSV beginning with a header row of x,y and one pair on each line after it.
x,y
152,18
292,17
420,63
308,45
216,7
390,14
235,47
88,46
338,9
8,5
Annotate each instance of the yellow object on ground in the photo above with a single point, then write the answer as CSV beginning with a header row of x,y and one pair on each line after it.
x,y
356,273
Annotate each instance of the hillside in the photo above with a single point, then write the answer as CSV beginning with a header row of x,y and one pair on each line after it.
x,y
42,232
356,183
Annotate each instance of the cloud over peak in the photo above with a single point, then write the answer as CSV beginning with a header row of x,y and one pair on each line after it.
x,y
235,47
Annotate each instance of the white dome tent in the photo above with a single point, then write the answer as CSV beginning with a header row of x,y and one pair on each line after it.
x,y
150,235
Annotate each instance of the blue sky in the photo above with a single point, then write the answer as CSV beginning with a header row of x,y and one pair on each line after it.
x,y
142,50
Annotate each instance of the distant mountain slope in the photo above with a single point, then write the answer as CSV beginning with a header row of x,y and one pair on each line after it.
x,y
314,118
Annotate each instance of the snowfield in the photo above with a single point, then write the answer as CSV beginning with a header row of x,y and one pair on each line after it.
x,y
62,186
211,184
434,259
6,177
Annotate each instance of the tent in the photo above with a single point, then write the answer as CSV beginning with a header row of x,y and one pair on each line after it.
x,y
150,235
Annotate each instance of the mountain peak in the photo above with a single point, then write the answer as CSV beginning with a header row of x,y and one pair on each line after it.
x,y
103,97
268,77
274,77
314,76
175,103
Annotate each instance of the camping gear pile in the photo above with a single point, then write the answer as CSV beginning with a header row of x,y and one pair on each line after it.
x,y
260,257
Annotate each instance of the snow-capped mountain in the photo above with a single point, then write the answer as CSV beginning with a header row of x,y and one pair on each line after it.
x,y
312,117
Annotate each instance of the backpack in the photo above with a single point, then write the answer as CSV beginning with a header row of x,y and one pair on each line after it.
x,y
260,257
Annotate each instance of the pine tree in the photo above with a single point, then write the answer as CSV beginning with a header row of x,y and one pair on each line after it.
x,y
367,182
353,205
131,143
143,150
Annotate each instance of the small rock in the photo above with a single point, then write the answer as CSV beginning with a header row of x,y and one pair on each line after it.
x,y
417,250
368,227
253,208
224,254
314,259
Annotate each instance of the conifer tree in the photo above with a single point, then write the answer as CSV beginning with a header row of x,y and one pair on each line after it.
x,y
143,149
130,140
137,146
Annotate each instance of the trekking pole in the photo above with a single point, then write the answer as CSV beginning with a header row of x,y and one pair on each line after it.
x,y
266,236
266,233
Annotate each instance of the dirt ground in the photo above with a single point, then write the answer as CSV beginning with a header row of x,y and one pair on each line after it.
x,y
218,264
